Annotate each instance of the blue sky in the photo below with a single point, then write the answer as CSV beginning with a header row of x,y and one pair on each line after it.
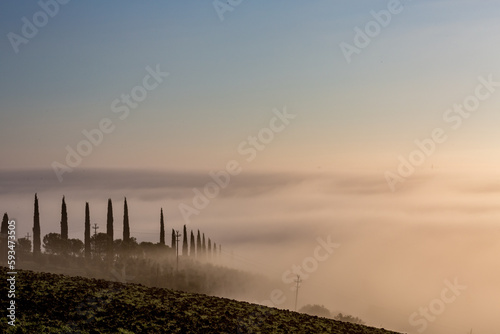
x,y
225,77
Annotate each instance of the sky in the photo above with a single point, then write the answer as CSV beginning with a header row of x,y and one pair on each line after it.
x,y
373,122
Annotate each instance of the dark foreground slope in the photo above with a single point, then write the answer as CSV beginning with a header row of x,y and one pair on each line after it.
x,y
49,303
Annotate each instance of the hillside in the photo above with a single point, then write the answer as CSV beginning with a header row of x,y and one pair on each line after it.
x,y
196,276
50,303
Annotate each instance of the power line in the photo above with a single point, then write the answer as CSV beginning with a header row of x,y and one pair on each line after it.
x,y
247,261
242,258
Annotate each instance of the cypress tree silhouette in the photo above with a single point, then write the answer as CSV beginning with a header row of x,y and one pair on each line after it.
x,y
109,229
214,250
5,225
4,231
36,230
126,226
192,251
162,228
173,239
88,252
203,247
198,245
209,255
184,242
64,221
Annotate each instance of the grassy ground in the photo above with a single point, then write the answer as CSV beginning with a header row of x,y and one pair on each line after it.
x,y
50,303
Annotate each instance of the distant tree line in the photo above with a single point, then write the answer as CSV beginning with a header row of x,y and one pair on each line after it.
x,y
321,311
104,246
101,254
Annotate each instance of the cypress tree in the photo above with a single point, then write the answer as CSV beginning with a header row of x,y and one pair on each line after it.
x,y
4,239
109,228
36,230
64,221
184,242
214,250
173,239
198,245
87,231
209,249
5,225
192,251
126,226
162,228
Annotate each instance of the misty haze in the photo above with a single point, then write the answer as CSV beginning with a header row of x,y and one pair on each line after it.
x,y
244,166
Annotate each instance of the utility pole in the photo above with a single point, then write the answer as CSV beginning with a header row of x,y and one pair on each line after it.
x,y
297,281
177,238
95,227
28,236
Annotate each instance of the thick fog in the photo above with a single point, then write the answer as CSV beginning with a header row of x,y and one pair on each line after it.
x,y
422,259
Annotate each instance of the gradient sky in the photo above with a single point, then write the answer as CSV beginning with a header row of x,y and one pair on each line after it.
x,y
226,77
323,174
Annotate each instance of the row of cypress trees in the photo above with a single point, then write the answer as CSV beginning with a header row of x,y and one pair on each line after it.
x,y
198,248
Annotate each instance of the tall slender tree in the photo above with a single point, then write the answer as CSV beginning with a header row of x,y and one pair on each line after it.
x,y
64,221
203,247
177,237
4,231
192,251
184,242
209,250
126,226
5,225
173,239
162,228
198,245
37,243
88,252
215,250
109,228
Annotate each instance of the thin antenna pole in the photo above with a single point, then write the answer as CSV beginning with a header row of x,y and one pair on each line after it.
x,y
297,281
95,227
